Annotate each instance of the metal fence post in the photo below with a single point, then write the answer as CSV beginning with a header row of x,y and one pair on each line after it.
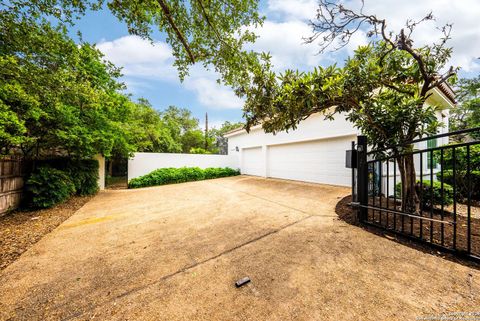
x,y
362,176
354,183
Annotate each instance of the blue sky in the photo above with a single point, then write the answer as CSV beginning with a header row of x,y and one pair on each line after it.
x,y
148,72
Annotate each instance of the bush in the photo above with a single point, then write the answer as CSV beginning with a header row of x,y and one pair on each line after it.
x,y
426,194
215,172
49,186
461,182
460,157
82,172
169,175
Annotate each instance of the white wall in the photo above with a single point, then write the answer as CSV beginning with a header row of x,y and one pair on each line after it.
x,y
313,128
144,163
262,153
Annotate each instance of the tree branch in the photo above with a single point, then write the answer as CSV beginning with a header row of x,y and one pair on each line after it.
x,y
207,19
179,34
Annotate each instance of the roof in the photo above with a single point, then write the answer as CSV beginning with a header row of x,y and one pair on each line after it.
x,y
233,131
448,92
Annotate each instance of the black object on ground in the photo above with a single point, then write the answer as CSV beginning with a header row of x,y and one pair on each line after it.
x,y
242,281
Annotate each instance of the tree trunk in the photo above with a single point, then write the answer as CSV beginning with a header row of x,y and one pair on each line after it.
x,y
410,199
110,167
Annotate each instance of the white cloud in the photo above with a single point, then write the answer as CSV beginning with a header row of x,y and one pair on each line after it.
x,y
140,58
282,34
143,61
213,95
293,10
284,37
463,14
279,36
284,42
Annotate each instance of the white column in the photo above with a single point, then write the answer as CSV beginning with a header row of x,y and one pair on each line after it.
x,y
101,171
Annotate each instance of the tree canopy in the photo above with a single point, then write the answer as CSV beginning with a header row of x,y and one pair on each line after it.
x,y
55,93
212,33
467,113
382,88
62,97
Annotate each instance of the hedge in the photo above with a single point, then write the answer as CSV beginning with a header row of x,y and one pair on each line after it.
x,y
461,182
171,175
49,186
426,194
54,180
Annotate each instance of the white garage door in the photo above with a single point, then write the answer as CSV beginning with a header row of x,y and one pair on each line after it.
x,y
252,161
321,161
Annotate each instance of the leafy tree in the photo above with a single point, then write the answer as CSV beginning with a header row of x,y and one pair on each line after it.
x,y
211,32
467,113
225,128
150,132
382,88
184,128
56,96
199,150
220,144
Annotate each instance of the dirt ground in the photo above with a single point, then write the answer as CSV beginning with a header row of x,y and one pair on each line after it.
x,y
174,253
19,230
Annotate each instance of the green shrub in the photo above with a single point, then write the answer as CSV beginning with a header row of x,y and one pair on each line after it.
x,y
199,150
215,172
460,157
426,194
82,172
48,186
170,175
461,182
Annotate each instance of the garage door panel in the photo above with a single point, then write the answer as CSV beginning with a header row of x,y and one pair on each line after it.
x,y
252,161
321,161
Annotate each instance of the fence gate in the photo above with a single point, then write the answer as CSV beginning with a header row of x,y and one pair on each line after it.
x,y
11,183
441,205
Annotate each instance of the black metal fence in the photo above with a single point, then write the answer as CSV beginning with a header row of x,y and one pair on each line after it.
x,y
445,189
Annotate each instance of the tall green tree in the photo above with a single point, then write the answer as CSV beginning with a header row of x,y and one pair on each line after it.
x,y
382,89
56,96
225,128
149,132
184,128
217,135
467,113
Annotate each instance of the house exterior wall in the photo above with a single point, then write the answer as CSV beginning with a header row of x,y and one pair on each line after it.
x,y
422,168
321,135
144,163
313,128
274,153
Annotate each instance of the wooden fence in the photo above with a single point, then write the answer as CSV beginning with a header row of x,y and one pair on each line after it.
x,y
11,183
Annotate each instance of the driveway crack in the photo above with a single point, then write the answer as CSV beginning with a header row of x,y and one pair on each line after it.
x,y
186,268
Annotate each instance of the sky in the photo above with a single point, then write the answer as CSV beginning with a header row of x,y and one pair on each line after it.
x,y
148,70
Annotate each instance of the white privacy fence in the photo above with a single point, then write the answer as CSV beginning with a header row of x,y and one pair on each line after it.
x,y
144,163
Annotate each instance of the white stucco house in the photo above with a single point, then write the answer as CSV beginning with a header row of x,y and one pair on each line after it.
x,y
315,151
